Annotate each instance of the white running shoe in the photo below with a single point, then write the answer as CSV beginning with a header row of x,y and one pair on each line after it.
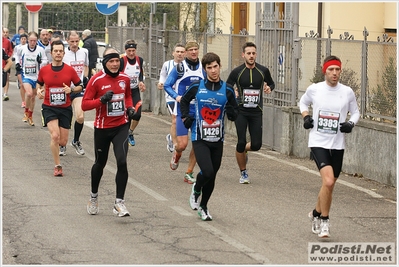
x,y
120,209
169,146
92,206
78,147
194,204
204,214
324,228
244,177
62,150
315,223
174,162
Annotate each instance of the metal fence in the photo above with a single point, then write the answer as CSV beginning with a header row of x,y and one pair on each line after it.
x,y
368,67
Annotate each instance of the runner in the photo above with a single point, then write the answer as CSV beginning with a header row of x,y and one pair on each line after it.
x,y
108,91
250,78
29,60
182,75
54,82
132,65
214,99
178,56
78,58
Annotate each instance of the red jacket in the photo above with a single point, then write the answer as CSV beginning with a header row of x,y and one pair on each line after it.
x,y
113,113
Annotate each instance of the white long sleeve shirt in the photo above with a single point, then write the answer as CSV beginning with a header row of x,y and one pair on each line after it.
x,y
330,108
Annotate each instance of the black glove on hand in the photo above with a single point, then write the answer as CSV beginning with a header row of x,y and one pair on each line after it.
x,y
85,81
307,122
18,67
346,127
106,97
231,115
39,59
188,121
130,112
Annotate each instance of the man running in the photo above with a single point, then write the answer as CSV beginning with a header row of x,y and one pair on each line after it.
x,y
132,65
178,56
56,83
78,59
251,80
29,60
183,74
331,102
214,99
108,91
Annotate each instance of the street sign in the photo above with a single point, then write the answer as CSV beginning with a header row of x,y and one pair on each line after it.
x,y
33,6
107,8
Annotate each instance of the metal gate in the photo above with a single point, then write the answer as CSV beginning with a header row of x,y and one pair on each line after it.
x,y
275,34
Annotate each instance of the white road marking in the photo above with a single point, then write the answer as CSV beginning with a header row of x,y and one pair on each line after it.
x,y
232,242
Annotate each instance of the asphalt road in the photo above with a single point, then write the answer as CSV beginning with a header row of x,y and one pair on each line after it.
x,y
45,219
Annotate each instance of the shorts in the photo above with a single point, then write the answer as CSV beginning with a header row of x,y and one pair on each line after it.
x,y
63,115
75,95
181,130
172,107
4,78
328,157
31,82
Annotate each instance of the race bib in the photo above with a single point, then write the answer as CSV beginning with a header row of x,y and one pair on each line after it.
x,y
328,122
57,96
30,69
134,82
251,98
211,132
78,66
116,107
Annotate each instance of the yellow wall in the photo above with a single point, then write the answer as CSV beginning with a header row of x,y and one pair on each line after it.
x,y
349,17
342,17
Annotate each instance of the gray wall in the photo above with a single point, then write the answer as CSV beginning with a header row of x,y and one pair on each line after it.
x,y
370,148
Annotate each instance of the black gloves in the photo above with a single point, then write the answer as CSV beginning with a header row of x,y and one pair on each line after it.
x,y
85,81
307,122
39,59
188,121
346,127
130,112
106,97
231,115
18,67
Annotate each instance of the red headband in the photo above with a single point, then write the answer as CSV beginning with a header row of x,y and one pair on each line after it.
x,y
329,63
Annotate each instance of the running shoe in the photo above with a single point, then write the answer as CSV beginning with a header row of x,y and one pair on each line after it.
x,y
30,121
174,163
189,178
25,118
244,177
62,151
6,98
169,146
204,214
78,147
132,142
324,228
23,104
194,200
58,170
92,206
315,223
120,209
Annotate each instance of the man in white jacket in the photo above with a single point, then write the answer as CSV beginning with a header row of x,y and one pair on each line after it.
x,y
331,102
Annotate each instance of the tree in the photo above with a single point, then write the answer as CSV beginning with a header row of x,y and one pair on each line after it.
x,y
384,99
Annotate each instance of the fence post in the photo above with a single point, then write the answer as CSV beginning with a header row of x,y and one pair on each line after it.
x,y
364,74
328,45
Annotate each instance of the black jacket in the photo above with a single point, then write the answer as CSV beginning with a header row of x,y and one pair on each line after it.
x,y
91,45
